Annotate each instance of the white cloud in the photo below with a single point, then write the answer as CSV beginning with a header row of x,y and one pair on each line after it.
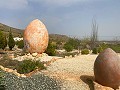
x,y
13,4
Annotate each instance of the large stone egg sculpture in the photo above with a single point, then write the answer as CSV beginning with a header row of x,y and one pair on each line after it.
x,y
107,69
36,37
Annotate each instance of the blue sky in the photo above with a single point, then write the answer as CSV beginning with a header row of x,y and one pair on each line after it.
x,y
68,17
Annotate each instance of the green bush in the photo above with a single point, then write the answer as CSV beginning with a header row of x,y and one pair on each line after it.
x,y
51,49
85,51
20,44
115,47
27,66
104,46
95,51
68,47
100,49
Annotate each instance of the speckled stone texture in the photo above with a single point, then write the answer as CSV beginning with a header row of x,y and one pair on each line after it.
x,y
107,69
36,37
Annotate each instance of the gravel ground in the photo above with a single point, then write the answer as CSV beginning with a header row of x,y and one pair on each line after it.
x,y
38,81
75,73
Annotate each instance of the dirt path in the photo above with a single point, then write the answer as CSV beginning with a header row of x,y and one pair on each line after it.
x,y
75,73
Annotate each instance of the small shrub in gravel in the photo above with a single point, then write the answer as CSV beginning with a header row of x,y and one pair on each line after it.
x,y
85,51
95,51
27,66
8,63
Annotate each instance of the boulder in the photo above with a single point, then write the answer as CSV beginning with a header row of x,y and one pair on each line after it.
x,y
107,69
36,37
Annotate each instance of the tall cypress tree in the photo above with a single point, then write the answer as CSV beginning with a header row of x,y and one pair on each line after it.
x,y
11,42
3,41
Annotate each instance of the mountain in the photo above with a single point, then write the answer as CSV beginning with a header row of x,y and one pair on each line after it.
x,y
16,32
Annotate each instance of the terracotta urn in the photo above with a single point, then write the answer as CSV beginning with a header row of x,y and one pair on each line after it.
x,y
107,69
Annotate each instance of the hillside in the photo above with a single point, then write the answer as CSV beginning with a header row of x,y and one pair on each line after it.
x,y
58,38
19,33
16,32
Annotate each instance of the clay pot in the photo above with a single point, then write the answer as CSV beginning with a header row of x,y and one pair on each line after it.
x,y
107,69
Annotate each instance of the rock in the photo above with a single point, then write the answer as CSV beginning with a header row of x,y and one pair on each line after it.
x,y
11,56
9,70
28,54
1,67
16,73
39,55
36,37
22,75
45,65
107,69
34,54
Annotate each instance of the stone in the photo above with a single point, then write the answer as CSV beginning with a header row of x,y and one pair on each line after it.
x,y
34,54
28,54
36,37
39,55
107,69
9,70
16,73
1,67
22,75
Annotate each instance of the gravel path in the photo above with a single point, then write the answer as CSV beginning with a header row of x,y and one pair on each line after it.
x,y
75,73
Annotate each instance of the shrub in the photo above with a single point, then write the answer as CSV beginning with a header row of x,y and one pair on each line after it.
x,y
27,66
7,62
51,49
20,44
68,47
95,51
100,49
85,51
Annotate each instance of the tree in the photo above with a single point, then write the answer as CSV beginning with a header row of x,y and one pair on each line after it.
x,y
94,34
3,40
11,42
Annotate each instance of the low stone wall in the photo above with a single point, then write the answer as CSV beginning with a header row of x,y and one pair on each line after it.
x,y
12,71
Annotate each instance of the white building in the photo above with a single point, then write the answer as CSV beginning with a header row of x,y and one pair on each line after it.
x,y
17,39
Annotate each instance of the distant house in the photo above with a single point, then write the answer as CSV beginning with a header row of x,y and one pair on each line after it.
x,y
17,39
